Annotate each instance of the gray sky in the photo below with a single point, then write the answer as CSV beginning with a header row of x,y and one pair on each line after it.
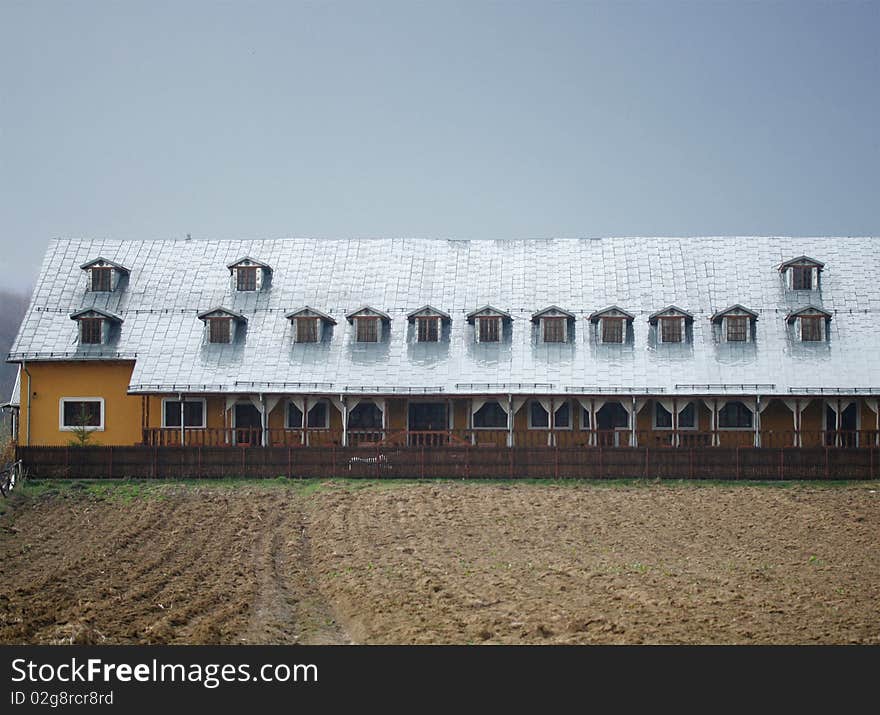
x,y
441,119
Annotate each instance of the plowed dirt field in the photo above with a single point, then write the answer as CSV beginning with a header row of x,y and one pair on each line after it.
x,y
442,562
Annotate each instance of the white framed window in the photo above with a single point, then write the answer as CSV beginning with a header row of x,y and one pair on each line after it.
x,y
75,413
319,415
490,416
562,416
194,413
585,418
662,418
735,416
539,418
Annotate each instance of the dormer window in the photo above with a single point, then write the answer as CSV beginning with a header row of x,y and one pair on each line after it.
x,y
811,323
369,324
221,325
219,330
428,324
612,325
246,278
249,274
553,324
671,324
802,273
488,329
488,324
95,325
102,279
90,331
309,324
104,275
735,324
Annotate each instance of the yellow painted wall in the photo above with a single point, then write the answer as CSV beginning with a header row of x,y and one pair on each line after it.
x,y
50,381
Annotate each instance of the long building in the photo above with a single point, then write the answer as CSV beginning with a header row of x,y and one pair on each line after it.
x,y
703,341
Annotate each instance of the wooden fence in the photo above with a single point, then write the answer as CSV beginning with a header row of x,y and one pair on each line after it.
x,y
384,462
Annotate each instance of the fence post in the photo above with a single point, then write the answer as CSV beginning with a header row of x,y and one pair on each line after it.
x,y
826,461
556,462
737,462
199,461
422,462
781,463
871,467
242,460
110,462
289,470
691,462
510,452
647,460
378,471
601,463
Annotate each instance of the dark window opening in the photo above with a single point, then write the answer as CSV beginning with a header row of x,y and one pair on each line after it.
x,y
538,416
220,330
612,330
490,329
90,330
102,279
612,415
663,417
428,330
735,415
318,416
366,415
193,413
294,416
562,418
490,416
246,278
82,413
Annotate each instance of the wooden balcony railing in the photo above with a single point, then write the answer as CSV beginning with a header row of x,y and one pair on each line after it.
x,y
254,437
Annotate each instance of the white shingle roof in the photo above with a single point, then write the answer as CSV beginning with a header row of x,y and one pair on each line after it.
x,y
171,282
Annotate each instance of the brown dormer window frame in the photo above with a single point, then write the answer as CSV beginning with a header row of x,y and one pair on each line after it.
x,y
612,330
307,330
802,277
246,278
428,328
737,328
219,330
671,329
102,279
91,331
554,329
811,328
367,329
489,328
